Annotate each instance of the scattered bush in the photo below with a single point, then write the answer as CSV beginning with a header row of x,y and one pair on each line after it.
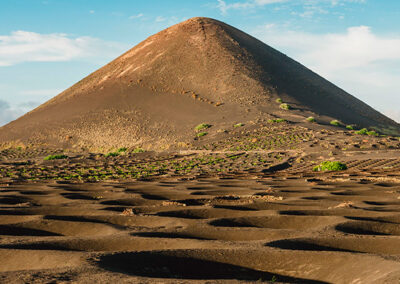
x,y
202,126
285,106
278,120
55,157
330,166
138,150
336,123
279,100
350,127
310,119
238,125
121,150
112,154
365,131
200,134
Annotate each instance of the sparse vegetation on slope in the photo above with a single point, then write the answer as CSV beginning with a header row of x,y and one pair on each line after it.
x,y
201,134
285,106
277,120
55,157
113,154
202,126
310,119
336,123
365,131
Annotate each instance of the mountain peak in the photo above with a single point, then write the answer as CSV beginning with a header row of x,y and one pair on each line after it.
x,y
195,71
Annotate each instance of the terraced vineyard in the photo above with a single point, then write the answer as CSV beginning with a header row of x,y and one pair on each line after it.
x,y
130,167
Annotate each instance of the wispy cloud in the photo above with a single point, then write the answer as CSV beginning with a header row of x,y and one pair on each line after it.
x,y
310,7
358,60
160,19
223,6
393,114
10,110
133,17
9,113
26,46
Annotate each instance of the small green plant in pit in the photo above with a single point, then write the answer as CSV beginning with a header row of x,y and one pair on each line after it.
x,y
138,150
363,131
336,123
238,125
310,119
278,120
200,134
372,133
279,100
113,154
285,106
202,126
330,166
350,127
55,157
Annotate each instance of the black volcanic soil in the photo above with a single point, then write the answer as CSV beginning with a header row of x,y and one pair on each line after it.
x,y
198,71
244,208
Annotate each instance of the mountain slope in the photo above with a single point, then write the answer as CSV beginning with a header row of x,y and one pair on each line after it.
x,y
201,70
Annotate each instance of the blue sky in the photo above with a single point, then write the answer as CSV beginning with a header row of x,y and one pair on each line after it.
x,y
48,45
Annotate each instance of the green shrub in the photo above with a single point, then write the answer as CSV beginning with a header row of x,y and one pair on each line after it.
x,y
310,119
350,127
202,126
372,133
279,100
55,157
278,120
363,131
285,106
200,134
238,125
112,154
138,150
336,123
330,166
121,150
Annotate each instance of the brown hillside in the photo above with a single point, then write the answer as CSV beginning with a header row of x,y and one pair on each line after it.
x,y
201,70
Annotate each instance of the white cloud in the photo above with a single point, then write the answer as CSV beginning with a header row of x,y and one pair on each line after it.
x,y
9,113
160,19
393,114
357,47
310,7
224,7
136,16
25,46
10,110
363,63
